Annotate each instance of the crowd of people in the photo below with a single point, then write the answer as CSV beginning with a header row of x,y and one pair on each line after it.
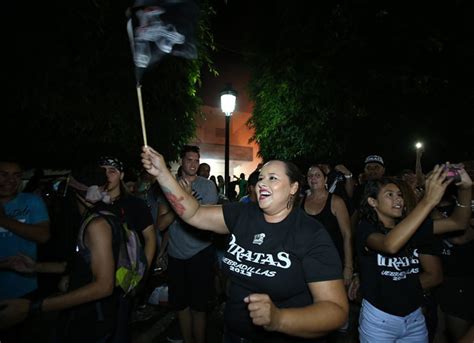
x,y
289,255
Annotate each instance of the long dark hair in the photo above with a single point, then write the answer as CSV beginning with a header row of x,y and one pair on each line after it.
x,y
294,174
371,190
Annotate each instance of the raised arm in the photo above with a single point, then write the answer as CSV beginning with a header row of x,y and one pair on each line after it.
x,y
420,177
349,180
205,217
327,313
459,219
392,242
466,237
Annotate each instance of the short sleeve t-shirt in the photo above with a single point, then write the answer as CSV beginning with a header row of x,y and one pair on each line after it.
x,y
27,208
278,259
186,241
391,282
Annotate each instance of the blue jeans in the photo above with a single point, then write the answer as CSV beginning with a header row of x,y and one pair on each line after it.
x,y
376,326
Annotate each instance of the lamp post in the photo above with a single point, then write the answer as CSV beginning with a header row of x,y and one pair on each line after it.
x,y
228,97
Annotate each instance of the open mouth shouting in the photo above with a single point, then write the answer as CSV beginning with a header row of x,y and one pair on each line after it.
x,y
263,194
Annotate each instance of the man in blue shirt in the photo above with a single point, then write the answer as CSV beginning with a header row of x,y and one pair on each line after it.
x,y
24,222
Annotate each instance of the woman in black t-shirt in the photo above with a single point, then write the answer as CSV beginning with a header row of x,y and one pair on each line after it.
x,y
395,255
283,268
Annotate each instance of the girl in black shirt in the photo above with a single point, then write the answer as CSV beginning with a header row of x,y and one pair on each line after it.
x,y
395,255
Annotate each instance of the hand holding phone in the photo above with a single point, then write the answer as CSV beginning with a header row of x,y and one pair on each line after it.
x,y
453,172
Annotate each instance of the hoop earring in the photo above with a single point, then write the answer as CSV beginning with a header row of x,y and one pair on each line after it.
x,y
289,204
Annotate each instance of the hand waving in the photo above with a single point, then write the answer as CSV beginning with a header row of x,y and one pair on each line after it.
x,y
153,162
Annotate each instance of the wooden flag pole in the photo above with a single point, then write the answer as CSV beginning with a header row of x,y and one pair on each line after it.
x,y
142,115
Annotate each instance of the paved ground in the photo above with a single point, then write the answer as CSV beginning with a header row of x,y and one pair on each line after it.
x,y
163,324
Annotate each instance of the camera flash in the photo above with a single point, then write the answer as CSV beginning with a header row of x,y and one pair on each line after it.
x,y
418,145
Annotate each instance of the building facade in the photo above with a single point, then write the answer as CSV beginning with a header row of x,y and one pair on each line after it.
x,y
210,137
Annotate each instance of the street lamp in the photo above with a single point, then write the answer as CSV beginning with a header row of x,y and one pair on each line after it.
x,y
228,96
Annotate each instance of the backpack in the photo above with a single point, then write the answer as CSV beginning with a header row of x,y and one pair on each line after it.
x,y
129,254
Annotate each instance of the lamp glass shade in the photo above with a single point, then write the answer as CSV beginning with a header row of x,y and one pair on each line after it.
x,y
228,103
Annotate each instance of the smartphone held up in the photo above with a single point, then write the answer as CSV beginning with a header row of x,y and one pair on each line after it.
x,y
453,172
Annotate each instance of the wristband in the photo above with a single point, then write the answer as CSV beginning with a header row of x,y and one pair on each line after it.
x,y
36,307
348,176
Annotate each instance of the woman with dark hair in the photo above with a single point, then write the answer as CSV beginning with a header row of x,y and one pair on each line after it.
x,y
332,212
285,276
395,255
89,306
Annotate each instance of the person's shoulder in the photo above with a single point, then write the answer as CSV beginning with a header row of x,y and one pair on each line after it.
x,y
203,181
308,231
250,209
245,206
307,223
102,223
235,210
337,199
364,223
28,197
245,199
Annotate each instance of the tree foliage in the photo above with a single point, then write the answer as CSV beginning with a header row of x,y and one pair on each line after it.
x,y
340,80
72,86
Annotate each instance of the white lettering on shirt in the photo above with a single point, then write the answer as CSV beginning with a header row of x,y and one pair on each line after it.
x,y
279,260
399,267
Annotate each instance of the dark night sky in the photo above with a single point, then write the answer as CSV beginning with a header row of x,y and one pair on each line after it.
x,y
237,19
230,24
235,22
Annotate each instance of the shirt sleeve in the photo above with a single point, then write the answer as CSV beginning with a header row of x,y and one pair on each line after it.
x,y
320,259
204,191
211,194
364,230
232,211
